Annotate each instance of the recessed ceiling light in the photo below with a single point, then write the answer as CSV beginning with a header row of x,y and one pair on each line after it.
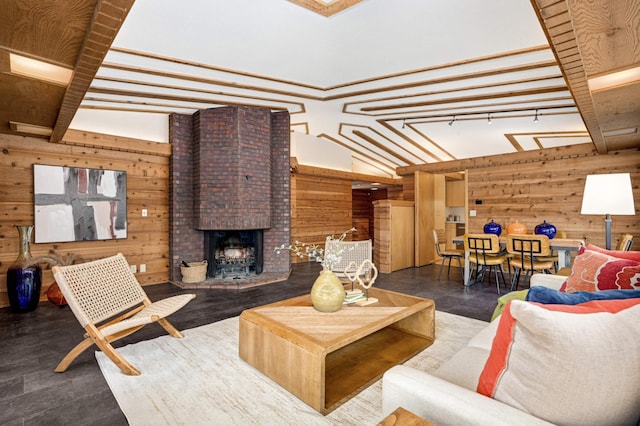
x,y
27,67
31,129
614,79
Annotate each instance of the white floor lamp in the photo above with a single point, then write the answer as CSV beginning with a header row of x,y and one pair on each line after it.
x,y
609,194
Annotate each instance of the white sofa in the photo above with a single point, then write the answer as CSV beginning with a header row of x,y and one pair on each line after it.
x,y
448,395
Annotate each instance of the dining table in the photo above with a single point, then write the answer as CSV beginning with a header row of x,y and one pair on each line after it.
x,y
563,246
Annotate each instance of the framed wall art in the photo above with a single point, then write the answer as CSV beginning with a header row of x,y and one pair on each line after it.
x,y
79,204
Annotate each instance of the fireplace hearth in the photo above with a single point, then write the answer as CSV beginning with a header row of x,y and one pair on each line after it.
x,y
230,180
235,253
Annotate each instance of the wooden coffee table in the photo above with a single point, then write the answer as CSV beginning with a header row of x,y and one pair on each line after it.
x,y
326,358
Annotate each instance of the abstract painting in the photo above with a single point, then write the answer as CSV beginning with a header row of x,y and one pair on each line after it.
x,y
76,204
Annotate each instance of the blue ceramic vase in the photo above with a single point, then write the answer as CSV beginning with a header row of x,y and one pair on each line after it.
x,y
24,277
492,228
545,229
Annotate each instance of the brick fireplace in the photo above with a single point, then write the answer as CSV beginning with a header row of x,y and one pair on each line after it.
x,y
229,173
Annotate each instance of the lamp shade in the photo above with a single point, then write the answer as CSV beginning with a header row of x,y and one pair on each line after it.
x,y
608,194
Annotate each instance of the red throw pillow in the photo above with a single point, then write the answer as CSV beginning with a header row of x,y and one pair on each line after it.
x,y
631,255
594,271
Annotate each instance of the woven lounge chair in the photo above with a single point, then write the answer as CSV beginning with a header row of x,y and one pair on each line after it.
x,y
352,251
106,288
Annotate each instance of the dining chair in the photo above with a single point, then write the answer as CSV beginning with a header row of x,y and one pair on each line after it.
x,y
625,242
447,254
109,303
526,252
485,252
554,255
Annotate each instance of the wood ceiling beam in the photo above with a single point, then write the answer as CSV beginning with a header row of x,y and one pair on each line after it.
x,y
302,169
497,95
106,22
588,39
361,151
326,8
541,155
381,146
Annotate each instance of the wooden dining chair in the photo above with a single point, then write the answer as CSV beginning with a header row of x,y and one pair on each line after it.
x,y
553,257
485,252
526,252
447,254
108,301
625,242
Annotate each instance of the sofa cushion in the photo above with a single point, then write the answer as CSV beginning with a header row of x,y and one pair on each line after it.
x,y
594,271
445,403
551,296
464,367
630,255
506,298
484,338
576,364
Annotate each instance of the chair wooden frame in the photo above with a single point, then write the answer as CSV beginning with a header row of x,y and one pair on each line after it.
x,y
109,303
439,235
529,253
554,256
625,242
484,250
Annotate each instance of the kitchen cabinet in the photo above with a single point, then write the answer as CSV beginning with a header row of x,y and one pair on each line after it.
x,y
449,235
429,193
455,194
394,228
452,230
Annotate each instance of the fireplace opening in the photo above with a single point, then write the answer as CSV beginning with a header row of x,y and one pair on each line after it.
x,y
234,253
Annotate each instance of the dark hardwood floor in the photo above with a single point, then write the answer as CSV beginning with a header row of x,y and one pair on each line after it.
x,y
32,344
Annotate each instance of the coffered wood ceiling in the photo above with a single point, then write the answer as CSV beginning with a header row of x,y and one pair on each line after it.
x,y
397,83
592,39
72,34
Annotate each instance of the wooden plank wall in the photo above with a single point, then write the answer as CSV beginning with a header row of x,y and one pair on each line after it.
x,y
147,187
362,208
362,212
532,186
535,191
320,206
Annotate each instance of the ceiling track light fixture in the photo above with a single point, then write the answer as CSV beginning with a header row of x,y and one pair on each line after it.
x,y
403,121
502,114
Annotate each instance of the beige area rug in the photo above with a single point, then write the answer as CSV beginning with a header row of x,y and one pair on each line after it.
x,y
200,380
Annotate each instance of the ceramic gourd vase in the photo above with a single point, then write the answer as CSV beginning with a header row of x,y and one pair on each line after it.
x,y
24,277
545,229
516,228
492,228
327,293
